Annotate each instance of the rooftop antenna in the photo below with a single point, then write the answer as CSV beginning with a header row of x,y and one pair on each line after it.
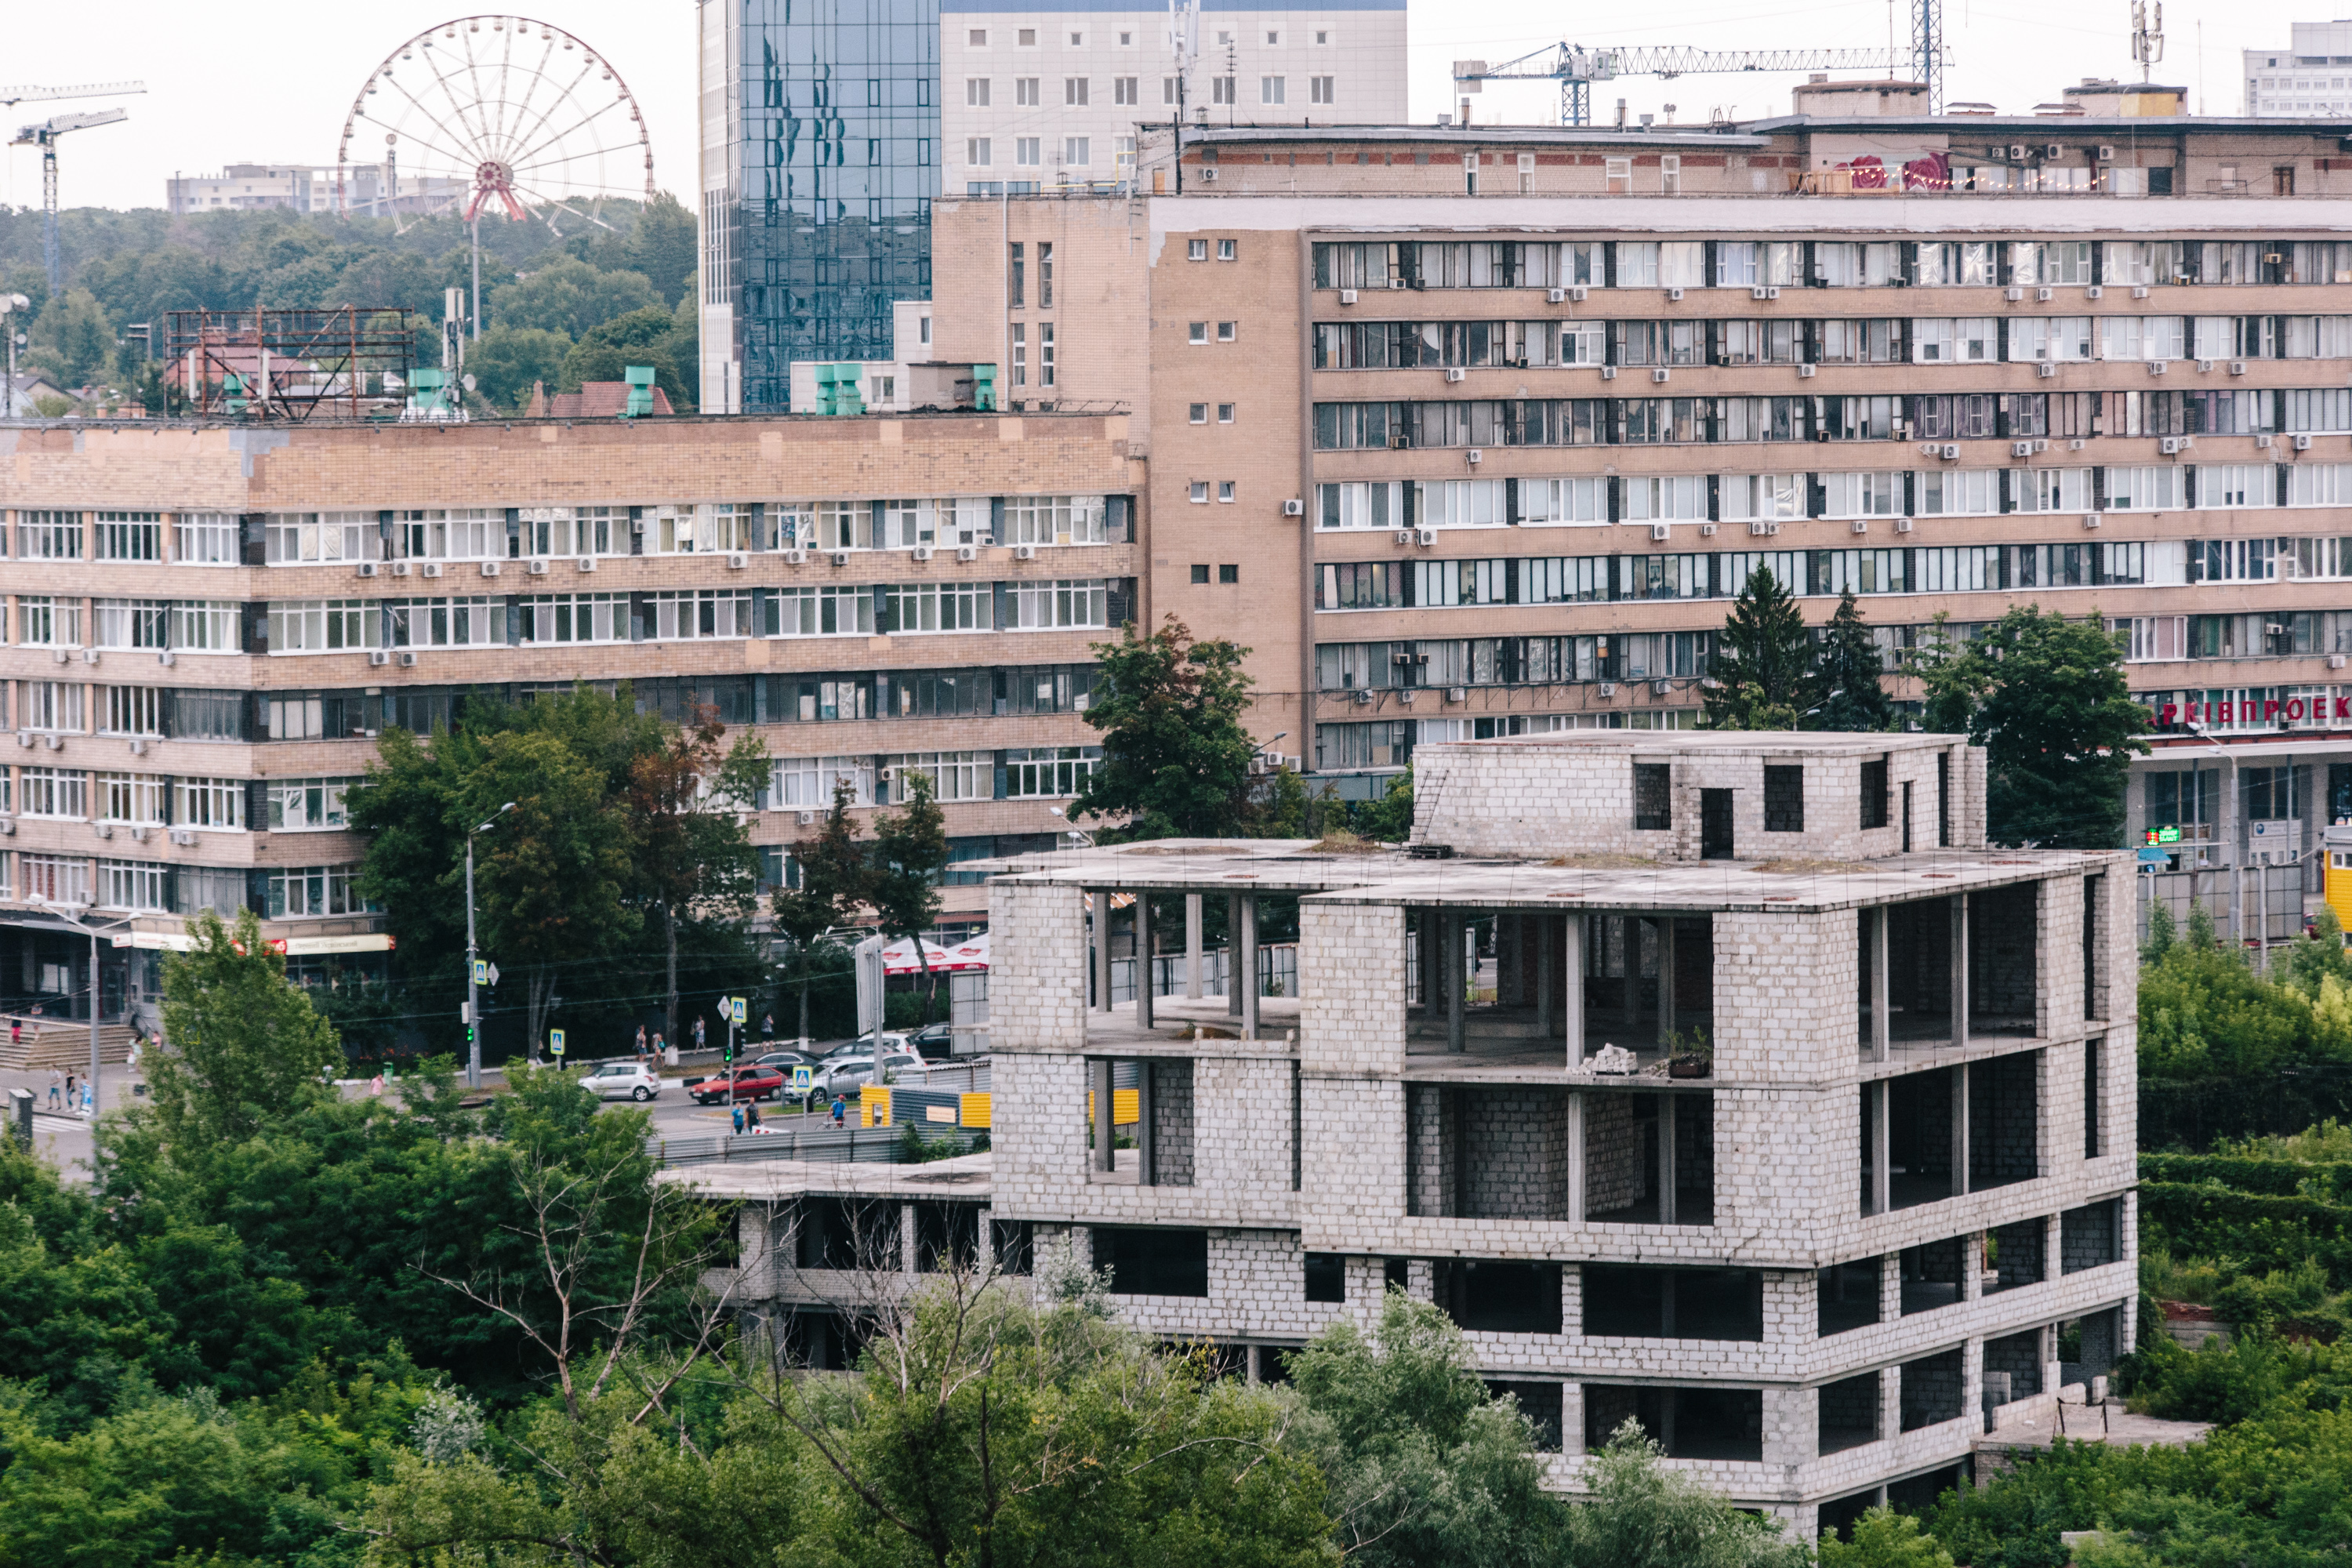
x,y
2147,34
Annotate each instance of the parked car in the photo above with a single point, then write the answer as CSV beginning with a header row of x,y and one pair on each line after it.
x,y
892,1040
843,1076
933,1042
743,1083
623,1081
783,1061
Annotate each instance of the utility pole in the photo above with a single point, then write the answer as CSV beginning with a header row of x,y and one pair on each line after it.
x,y
473,986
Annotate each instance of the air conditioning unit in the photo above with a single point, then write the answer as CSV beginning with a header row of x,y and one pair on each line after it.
x,y
1608,373
2045,293
1757,292
1759,528
1455,372
2274,630
2077,445
2052,150
1903,525
1474,456
1457,694
2203,365
919,552
367,568
538,567
490,568
138,746
2090,519
1805,371
103,831
1860,526
1208,176
2139,291
1662,531
2157,366
795,557
2237,367
24,737
2334,661
1404,536
1950,452
1555,296
2016,153
1578,293
183,835
167,658
6,828
2042,446
2094,292
1660,687
736,560
1025,553
1706,531
57,656
2045,369
2169,445
1675,294
2106,155
2020,448
636,525
967,552
1657,375
841,557
433,568
89,656
1425,537
586,563
806,817
1608,688
1360,699
1294,506
407,660
378,655
1347,296
2014,293
401,568
1772,291
139,835
2303,443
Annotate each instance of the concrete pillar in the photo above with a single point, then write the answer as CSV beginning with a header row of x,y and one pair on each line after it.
x,y
1572,990
1665,975
1453,960
1960,970
1192,947
1972,1253
1571,1299
1972,1381
1426,946
907,1238
1234,987
1510,975
1571,1419
1881,1017
1146,1147
1246,982
1102,950
1098,1076
1666,1131
1143,962
1960,1129
1546,941
1574,1187
1631,925
1890,1402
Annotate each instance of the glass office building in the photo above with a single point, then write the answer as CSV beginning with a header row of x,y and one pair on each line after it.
x,y
820,161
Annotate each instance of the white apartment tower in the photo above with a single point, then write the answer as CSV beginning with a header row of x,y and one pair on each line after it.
x,y
2309,78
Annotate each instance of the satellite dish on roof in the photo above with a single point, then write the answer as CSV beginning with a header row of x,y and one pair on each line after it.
x,y
467,382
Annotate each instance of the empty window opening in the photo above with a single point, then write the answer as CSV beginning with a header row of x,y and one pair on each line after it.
x,y
1919,1138
1919,971
2013,1254
1633,1302
946,1237
1845,1295
2093,1142
1648,1159
1784,799
1327,1277
1488,1153
1873,793
1932,1390
1715,831
2004,1120
2013,1366
1541,1403
1688,1423
849,1233
1153,1262
2089,1237
2088,1345
1943,800
1151,1125
1849,1414
1500,1297
2003,959
1016,1246
1930,1275
823,1341
1653,794
2095,979
1274,1361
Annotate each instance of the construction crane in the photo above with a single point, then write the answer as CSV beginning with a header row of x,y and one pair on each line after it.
x,y
1576,68
10,97
45,136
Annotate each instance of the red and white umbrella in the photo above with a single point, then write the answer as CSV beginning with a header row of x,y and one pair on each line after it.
x,y
898,958
970,954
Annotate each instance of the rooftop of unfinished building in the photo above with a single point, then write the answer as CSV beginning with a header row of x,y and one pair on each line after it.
x,y
1664,745
668,422
969,1176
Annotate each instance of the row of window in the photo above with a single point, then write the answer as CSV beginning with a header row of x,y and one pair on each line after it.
x,y
1823,263
1790,341
1019,772
486,533
1683,421
158,800
149,888
1127,91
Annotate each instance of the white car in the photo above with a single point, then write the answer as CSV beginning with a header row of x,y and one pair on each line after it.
x,y
623,1081
842,1076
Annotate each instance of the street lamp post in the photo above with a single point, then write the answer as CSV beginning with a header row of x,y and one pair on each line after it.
x,y
473,992
2228,806
67,912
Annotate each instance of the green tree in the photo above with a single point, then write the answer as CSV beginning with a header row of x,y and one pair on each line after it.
x,y
1176,757
246,1047
507,362
1884,1538
1764,666
834,875
1388,819
911,852
687,800
71,338
568,295
644,337
1642,1515
1854,698
1425,1466
661,245
2047,699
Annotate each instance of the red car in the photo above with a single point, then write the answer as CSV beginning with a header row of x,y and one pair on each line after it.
x,y
743,1083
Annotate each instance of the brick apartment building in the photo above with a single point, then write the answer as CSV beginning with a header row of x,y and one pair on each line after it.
x,y
208,624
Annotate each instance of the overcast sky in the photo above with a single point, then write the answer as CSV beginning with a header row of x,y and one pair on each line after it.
x,y
271,80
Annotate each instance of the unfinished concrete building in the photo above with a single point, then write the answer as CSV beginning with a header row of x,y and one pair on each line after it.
x,y
1731,1083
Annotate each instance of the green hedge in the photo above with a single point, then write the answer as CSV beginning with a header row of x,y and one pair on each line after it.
x,y
2257,1231
2281,1177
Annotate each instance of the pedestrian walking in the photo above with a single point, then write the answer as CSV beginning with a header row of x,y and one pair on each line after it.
x,y
88,1104
738,1111
375,1086
69,1090
767,1029
751,1117
697,1033
641,1041
840,1110
658,1045
16,1031
57,1090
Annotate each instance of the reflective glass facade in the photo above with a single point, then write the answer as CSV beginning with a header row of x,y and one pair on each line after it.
x,y
838,157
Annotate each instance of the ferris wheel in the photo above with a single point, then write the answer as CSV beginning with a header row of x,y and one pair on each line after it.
x,y
498,114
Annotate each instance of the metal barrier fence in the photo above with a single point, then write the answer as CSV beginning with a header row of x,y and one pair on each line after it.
x,y
1277,973
2262,903
873,1145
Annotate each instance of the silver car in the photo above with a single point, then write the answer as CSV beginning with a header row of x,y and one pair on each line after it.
x,y
623,1081
846,1074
